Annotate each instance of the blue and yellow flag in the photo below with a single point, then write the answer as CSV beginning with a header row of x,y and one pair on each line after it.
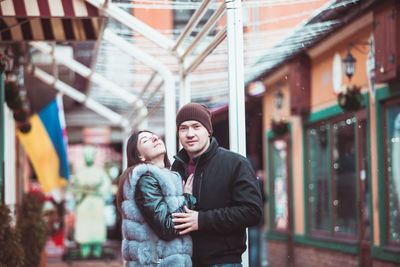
x,y
46,147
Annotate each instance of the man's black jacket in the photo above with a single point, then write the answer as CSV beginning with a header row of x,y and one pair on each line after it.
x,y
228,201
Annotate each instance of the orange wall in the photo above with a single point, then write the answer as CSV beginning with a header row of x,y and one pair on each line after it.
x,y
322,93
284,16
158,19
269,110
269,113
322,96
292,15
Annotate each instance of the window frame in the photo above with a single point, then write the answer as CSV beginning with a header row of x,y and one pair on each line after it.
x,y
285,138
331,234
315,232
385,105
383,250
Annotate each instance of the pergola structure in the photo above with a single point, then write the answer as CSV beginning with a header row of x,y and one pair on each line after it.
x,y
39,20
85,19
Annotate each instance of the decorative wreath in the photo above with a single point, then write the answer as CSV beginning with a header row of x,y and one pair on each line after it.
x,y
350,98
279,127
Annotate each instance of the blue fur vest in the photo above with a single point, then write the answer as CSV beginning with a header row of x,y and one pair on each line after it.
x,y
141,246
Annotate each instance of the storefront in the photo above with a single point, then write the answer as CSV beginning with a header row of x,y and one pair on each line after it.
x,y
331,135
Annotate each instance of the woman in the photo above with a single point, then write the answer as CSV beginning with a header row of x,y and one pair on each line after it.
x,y
148,194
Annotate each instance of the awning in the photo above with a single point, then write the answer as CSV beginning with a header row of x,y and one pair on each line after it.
x,y
48,20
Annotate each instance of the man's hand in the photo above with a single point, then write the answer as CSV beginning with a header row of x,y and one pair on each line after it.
x,y
188,221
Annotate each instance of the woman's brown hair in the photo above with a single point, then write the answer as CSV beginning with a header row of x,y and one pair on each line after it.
x,y
133,158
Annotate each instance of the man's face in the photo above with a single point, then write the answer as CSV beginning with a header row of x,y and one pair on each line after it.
x,y
194,137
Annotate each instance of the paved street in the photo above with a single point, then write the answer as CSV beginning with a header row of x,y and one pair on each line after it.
x,y
93,263
111,257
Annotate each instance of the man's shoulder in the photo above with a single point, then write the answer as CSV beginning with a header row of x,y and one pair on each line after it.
x,y
223,152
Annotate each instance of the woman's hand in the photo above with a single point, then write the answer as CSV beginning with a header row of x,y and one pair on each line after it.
x,y
188,186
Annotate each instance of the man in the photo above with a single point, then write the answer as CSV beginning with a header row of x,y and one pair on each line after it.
x,y
226,189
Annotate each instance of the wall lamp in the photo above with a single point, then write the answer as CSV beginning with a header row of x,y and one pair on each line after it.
x,y
349,61
279,99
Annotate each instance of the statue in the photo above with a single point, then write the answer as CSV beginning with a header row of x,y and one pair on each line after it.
x,y
90,186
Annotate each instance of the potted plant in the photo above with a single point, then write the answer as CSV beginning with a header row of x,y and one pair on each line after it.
x,y
279,127
18,102
32,227
350,98
11,252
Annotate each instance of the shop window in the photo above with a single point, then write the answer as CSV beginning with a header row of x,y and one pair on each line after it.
x,y
332,177
392,143
344,182
279,184
319,178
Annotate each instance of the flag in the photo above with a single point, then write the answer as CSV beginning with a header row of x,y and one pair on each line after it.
x,y
45,144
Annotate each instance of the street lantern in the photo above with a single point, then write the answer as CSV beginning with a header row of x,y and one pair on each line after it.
x,y
349,65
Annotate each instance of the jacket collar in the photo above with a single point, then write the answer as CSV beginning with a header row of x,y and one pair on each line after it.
x,y
183,157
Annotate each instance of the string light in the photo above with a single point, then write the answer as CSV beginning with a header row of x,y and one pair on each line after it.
x,y
216,64
189,5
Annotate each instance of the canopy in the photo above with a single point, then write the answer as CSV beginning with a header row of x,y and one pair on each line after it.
x,y
48,20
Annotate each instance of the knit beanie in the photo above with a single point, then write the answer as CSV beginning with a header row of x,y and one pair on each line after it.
x,y
195,112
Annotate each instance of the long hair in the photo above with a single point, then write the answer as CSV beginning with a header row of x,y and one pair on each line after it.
x,y
133,159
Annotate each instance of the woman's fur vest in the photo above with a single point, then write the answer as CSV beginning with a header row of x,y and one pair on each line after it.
x,y
141,246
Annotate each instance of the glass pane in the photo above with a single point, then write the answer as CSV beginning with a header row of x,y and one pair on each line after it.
x,y
319,177
345,171
279,153
183,12
393,139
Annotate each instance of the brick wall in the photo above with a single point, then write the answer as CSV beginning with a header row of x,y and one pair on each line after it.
x,y
308,256
378,263
277,253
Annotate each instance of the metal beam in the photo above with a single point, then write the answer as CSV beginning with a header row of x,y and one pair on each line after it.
x,y
146,86
169,85
78,96
133,23
87,73
206,29
237,123
237,118
155,91
192,23
132,109
215,42
96,52
184,84
154,108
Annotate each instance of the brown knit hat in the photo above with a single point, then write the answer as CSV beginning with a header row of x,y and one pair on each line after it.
x,y
196,112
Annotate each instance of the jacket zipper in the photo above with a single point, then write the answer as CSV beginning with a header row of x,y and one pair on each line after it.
x,y
200,182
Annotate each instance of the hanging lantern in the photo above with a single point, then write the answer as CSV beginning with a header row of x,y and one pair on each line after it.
x,y
349,65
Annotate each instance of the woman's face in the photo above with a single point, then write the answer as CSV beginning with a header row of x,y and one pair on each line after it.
x,y
150,146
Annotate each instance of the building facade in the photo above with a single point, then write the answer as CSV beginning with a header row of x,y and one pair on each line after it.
x,y
331,135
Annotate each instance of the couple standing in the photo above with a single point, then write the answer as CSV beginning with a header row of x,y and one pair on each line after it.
x,y
203,222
